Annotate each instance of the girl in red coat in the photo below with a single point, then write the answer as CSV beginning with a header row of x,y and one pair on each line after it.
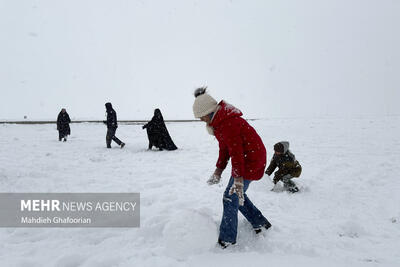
x,y
239,142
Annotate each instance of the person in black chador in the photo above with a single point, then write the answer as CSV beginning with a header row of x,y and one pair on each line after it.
x,y
158,134
112,126
63,128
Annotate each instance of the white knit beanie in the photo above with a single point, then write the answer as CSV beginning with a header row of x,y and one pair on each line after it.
x,y
204,104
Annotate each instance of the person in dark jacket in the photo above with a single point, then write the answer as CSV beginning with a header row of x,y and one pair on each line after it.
x,y
158,134
288,166
239,142
112,126
63,122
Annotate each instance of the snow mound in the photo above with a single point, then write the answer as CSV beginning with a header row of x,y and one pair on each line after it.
x,y
189,232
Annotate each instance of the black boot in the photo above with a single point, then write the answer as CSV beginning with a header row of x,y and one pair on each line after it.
x,y
224,244
290,186
293,189
266,226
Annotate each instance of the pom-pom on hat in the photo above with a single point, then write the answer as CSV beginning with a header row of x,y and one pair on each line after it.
x,y
204,104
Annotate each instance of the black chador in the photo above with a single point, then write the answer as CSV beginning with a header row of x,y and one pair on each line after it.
x,y
158,134
63,128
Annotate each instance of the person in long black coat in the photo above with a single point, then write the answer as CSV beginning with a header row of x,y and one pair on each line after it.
x,y
112,126
158,134
63,122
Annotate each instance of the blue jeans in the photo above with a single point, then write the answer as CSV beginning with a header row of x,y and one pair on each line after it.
x,y
229,223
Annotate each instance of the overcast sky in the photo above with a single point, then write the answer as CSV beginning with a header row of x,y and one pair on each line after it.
x,y
269,58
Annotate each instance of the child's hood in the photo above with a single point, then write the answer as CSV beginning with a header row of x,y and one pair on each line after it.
x,y
285,146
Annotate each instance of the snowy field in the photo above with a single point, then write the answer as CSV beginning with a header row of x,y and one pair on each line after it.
x,y
348,213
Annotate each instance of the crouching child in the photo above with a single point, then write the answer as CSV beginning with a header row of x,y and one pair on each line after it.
x,y
288,167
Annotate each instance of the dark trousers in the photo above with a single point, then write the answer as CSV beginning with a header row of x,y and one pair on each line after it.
x,y
61,135
111,136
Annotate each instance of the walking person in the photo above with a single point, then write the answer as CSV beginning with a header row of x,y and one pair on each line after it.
x,y
63,122
239,142
112,126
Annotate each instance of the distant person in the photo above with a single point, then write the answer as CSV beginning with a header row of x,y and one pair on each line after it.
x,y
63,122
112,126
239,142
158,134
288,167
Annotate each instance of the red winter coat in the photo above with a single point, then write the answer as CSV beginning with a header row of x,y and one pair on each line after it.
x,y
238,141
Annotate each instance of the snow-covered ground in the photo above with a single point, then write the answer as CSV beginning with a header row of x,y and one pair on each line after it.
x,y
348,213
